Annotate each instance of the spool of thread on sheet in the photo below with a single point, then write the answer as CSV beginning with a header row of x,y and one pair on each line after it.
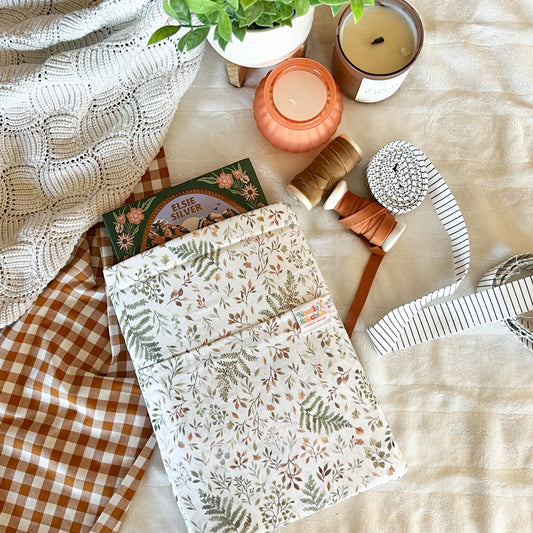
x,y
331,165
365,217
375,226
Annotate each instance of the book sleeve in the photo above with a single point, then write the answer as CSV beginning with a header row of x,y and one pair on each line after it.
x,y
261,409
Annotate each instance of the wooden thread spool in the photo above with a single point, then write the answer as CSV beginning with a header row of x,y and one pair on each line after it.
x,y
328,168
376,227
367,218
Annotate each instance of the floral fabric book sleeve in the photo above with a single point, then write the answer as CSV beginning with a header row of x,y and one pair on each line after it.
x,y
261,410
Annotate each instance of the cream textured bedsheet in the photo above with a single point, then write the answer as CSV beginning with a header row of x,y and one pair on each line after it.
x,y
461,408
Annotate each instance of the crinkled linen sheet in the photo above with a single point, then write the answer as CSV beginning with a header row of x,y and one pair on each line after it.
x,y
461,408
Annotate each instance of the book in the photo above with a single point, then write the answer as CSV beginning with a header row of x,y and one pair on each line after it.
x,y
184,208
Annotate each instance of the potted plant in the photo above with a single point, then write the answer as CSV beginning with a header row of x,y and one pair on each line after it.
x,y
223,20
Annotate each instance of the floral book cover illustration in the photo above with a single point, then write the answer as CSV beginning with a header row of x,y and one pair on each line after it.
x,y
184,208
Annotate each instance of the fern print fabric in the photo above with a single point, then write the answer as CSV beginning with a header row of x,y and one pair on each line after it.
x,y
260,420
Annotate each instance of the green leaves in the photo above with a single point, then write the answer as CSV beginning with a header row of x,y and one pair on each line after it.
x,y
138,329
230,368
234,4
234,17
224,26
163,33
226,515
336,9
193,38
285,299
202,7
178,10
315,498
328,2
247,3
238,31
357,8
253,12
301,7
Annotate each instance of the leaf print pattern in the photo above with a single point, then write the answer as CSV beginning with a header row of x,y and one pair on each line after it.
x,y
225,517
364,389
258,423
277,508
318,417
138,330
285,299
313,498
203,256
230,369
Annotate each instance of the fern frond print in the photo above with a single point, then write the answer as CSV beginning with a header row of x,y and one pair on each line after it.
x,y
138,331
318,417
314,498
202,256
225,517
230,368
285,299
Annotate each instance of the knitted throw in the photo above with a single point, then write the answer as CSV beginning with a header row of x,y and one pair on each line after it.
x,y
84,108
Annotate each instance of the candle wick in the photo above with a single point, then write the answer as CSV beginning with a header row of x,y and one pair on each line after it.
x,y
378,40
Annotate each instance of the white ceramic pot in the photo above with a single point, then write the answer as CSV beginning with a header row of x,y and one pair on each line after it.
x,y
266,47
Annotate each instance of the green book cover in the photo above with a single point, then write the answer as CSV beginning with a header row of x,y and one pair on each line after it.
x,y
183,208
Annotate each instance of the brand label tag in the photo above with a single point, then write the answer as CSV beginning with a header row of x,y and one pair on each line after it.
x,y
312,315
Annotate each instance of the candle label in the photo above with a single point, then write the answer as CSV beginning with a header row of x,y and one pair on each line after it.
x,y
311,316
375,90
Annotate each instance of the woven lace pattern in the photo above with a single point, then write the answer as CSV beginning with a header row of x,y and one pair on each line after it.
x,y
84,108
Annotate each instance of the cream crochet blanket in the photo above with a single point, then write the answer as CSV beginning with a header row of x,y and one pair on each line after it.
x,y
84,108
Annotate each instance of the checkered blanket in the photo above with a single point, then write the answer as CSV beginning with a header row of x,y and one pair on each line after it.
x,y
75,437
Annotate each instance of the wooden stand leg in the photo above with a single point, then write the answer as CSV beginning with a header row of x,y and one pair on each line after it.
x,y
237,73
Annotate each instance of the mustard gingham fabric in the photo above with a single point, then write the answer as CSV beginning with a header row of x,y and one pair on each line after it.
x,y
75,437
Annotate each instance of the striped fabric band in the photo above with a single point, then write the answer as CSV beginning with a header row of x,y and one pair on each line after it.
x,y
520,326
485,307
406,163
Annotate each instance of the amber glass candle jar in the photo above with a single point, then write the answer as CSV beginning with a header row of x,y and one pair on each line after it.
x,y
298,106
372,57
